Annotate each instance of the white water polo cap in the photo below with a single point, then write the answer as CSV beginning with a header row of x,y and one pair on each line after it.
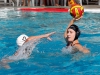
x,y
21,39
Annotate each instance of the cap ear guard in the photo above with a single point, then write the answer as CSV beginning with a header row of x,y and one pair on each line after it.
x,y
21,39
24,38
77,34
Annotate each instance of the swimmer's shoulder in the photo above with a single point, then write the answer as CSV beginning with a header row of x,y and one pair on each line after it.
x,y
81,48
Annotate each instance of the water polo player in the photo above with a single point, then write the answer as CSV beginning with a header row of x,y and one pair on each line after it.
x,y
71,36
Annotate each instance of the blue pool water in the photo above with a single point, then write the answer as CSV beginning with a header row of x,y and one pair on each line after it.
x,y
47,57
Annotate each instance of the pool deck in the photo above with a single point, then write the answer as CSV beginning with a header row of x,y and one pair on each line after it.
x,y
85,6
88,8
91,6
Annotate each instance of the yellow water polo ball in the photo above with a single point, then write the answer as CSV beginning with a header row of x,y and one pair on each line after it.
x,y
77,11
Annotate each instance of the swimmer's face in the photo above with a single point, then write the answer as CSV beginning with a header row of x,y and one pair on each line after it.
x,y
70,35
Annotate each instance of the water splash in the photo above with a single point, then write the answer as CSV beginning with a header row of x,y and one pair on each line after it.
x,y
69,50
24,51
4,65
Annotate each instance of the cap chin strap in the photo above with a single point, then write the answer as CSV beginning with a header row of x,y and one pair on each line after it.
x,y
73,41
70,43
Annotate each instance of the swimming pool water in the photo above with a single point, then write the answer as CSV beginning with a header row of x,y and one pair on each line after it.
x,y
47,57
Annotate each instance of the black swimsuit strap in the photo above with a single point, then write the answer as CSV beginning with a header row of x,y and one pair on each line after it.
x,y
75,44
